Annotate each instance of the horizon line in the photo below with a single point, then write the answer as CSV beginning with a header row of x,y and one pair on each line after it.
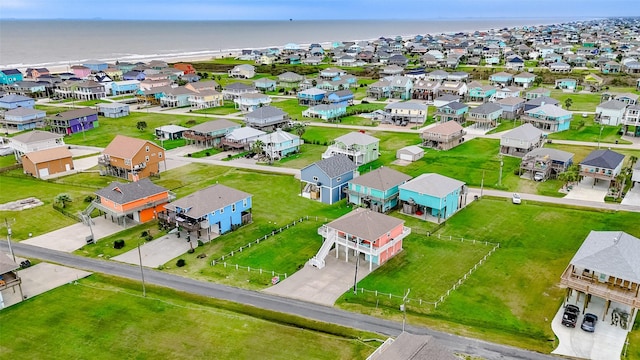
x,y
595,16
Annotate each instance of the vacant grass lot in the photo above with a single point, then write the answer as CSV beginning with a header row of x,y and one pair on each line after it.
x,y
581,102
229,107
513,296
584,129
106,318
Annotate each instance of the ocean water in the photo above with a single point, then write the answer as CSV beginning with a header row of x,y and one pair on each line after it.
x,y
50,43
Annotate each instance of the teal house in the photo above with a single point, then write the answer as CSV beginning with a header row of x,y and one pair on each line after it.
x,y
265,84
377,190
479,92
501,78
452,111
548,117
566,84
432,195
9,76
327,112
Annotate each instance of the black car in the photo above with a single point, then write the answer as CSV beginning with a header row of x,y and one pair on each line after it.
x,y
570,316
589,322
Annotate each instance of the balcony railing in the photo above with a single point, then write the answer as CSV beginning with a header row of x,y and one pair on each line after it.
x,y
9,280
608,291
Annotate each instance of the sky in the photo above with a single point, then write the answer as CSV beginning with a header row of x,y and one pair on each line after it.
x,y
313,10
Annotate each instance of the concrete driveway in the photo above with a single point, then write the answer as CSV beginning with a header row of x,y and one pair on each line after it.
x,y
606,343
41,278
322,286
73,237
157,252
633,196
587,190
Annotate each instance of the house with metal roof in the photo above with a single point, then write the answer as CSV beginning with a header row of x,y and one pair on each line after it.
x,y
548,117
376,190
23,118
602,165
521,140
214,210
357,146
325,180
376,236
432,197
170,132
138,201
610,112
607,266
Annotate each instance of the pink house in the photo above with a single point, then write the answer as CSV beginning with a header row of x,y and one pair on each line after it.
x,y
80,71
377,236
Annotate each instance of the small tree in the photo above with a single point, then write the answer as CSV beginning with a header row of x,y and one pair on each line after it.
x,y
141,125
258,147
62,199
568,103
181,263
299,129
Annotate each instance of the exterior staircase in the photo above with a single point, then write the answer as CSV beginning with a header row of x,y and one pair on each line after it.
x,y
86,213
318,260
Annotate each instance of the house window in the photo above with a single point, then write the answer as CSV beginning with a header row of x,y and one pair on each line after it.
x,y
147,148
127,161
315,178
160,155
244,203
222,211
233,207
338,179
146,158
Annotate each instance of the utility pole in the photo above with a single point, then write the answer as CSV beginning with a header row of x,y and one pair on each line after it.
x,y
600,135
144,290
482,183
501,164
7,224
403,307
355,277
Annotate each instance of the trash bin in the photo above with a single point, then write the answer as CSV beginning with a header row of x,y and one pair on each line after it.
x,y
475,197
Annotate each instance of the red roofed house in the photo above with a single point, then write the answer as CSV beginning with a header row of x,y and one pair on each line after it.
x,y
44,163
185,68
378,236
131,158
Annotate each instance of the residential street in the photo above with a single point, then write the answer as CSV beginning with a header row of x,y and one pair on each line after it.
x,y
478,348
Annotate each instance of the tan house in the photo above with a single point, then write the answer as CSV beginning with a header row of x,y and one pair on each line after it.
x,y
44,163
131,158
444,136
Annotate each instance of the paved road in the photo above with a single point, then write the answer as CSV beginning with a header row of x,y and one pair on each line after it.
x,y
469,346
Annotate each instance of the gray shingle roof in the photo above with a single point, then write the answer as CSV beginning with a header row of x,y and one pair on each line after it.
x,y
356,138
207,200
35,136
554,154
122,193
525,132
607,159
612,105
14,98
6,264
74,114
432,184
410,105
336,165
543,100
613,253
265,112
486,108
214,125
365,224
383,178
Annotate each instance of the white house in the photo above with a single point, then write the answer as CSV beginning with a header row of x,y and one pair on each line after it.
x,y
244,71
610,112
35,140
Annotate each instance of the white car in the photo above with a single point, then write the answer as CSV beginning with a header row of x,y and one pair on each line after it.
x,y
515,198
538,176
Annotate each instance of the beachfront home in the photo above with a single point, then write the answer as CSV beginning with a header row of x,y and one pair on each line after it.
x,y
403,113
377,236
243,71
23,119
214,210
44,163
546,161
95,65
205,99
432,196
9,76
376,190
452,111
486,115
357,146
80,71
210,133
610,112
138,201
113,110
548,117
602,165
241,139
325,180
327,112
131,158
73,121
34,140
13,101
251,101
185,68
521,140
524,79
310,97
279,144
443,136
266,118
170,132
35,73
124,87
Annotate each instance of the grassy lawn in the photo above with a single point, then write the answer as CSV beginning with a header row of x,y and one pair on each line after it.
x,y
111,320
358,120
41,219
582,151
205,153
7,161
308,154
229,107
291,107
584,129
131,236
581,102
505,125
512,297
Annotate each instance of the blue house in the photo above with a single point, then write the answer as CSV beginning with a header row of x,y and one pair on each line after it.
x,y
566,84
377,190
125,87
24,118
326,179
9,76
549,117
13,101
265,84
452,111
328,112
311,96
342,97
96,65
432,195
501,78
213,210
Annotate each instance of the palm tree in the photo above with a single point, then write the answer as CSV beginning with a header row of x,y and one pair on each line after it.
x,y
568,103
62,199
299,129
257,147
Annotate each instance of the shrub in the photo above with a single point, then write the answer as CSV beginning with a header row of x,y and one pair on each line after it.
x,y
149,237
118,244
200,243
144,234
89,198
181,263
207,153
191,122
